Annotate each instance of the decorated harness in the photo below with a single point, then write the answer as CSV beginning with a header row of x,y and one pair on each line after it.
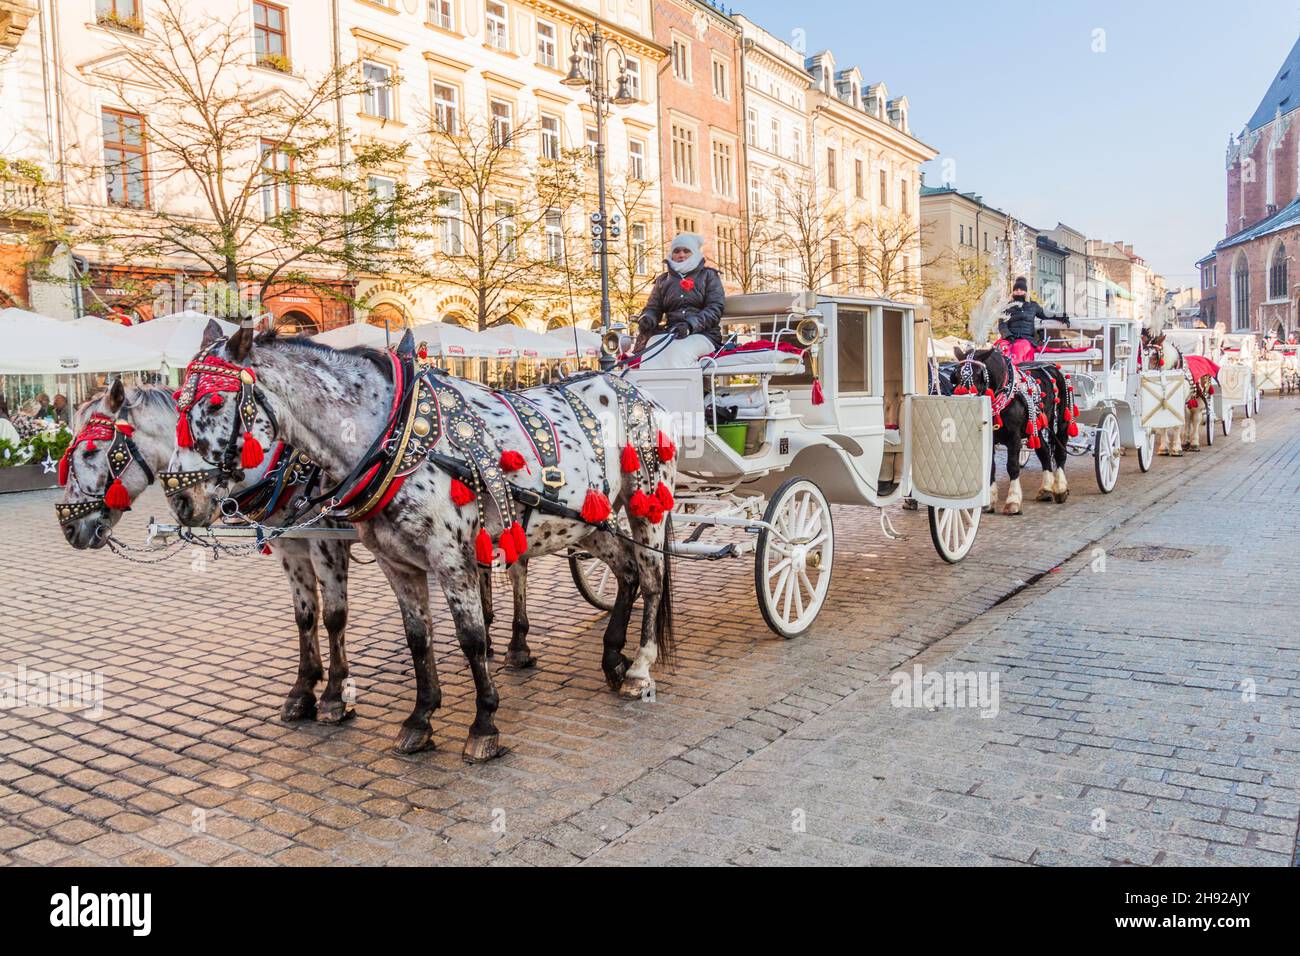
x,y
1018,382
119,454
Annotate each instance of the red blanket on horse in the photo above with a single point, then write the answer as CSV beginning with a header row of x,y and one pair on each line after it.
x,y
1200,367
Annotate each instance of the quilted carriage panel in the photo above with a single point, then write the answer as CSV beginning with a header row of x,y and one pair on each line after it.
x,y
949,449
1269,374
1234,384
1163,399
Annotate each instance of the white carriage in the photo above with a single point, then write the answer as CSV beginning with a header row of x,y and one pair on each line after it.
x,y
874,438
1119,406
1239,381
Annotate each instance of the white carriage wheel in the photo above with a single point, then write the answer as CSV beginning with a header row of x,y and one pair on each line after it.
x,y
953,531
792,569
1208,405
1259,398
1106,453
1226,422
1147,452
594,579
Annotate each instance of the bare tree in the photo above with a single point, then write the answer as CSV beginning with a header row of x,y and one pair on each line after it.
x,y
633,256
502,233
955,295
254,182
811,227
888,256
757,240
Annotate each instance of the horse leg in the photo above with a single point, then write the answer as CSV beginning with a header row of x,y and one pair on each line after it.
x,y
992,506
1060,441
459,585
618,555
1048,490
518,654
330,560
1014,495
411,588
656,606
296,562
485,597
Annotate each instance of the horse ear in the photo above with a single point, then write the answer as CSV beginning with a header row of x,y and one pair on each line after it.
x,y
958,353
211,332
241,345
115,397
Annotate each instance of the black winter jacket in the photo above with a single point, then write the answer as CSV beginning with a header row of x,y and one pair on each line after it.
x,y
685,311
1019,320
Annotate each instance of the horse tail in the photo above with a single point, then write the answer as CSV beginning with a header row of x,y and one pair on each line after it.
x,y
665,641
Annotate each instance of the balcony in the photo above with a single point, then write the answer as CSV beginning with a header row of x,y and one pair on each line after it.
x,y
23,198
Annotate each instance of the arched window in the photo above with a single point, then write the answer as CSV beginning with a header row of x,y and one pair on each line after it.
x,y
1277,286
386,315
1241,293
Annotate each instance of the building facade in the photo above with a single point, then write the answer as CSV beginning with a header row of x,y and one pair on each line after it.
x,y
1048,282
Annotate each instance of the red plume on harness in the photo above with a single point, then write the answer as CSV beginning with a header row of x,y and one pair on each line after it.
x,y
512,461
667,450
207,377
483,546
461,494
251,454
664,496
639,504
630,460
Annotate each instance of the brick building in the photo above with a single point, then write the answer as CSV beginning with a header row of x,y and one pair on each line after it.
x,y
1262,227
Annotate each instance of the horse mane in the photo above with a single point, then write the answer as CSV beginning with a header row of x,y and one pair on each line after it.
x,y
377,357
157,397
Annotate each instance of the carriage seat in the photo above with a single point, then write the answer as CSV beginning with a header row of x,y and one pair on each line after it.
x,y
756,358
1060,354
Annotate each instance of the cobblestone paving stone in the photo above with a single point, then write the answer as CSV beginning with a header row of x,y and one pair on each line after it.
x,y
1103,704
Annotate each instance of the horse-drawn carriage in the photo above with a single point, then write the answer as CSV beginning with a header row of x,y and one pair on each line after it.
x,y
813,402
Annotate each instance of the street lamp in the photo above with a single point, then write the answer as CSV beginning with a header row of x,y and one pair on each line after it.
x,y
602,228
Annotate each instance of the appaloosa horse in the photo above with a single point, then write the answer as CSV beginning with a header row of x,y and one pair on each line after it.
x,y
1032,403
124,437
435,469
1200,372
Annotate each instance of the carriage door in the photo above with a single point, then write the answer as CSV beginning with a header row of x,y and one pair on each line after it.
x,y
857,405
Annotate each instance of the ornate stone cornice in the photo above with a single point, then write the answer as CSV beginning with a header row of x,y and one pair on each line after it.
x,y
14,17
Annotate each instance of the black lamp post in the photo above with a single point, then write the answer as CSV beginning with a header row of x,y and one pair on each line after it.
x,y
602,230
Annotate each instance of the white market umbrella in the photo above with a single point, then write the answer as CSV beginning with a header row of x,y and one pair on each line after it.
x,y
452,341
358,333
531,345
32,344
179,335
588,341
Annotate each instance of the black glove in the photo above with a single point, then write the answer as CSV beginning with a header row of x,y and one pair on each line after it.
x,y
679,330
1066,320
645,325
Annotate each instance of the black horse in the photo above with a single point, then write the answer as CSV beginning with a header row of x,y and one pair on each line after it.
x,y
1039,413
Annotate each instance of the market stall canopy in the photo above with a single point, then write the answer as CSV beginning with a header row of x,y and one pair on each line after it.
x,y
32,344
178,336
358,333
532,345
452,341
588,341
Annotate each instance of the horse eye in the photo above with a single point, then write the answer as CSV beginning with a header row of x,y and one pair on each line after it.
x,y
89,453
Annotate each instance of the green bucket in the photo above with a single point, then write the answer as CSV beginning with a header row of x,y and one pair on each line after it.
x,y
733,433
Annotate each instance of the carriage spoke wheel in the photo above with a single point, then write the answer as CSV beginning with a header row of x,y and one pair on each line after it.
x,y
1106,453
792,568
1209,421
1147,452
953,531
1226,421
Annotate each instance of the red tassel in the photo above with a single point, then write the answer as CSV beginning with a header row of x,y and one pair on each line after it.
x,y
595,507
1074,430
215,399
1191,403
959,390
655,511
512,461
183,437
639,505
1035,442
461,494
266,549
665,496
1042,421
667,450
988,392
251,455
116,497
818,397
508,550
519,538
631,461
90,445
64,461
483,547
126,428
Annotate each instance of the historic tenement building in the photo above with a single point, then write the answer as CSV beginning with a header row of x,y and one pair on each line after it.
x,y
1252,264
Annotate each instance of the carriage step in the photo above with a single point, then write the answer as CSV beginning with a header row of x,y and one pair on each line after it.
x,y
703,549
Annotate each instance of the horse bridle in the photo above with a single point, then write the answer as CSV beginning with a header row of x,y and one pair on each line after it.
x,y
207,377
122,451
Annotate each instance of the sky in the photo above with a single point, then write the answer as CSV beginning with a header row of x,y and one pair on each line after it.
x,y
1112,117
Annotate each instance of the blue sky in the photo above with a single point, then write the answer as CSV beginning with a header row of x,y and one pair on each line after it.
x,y
1124,144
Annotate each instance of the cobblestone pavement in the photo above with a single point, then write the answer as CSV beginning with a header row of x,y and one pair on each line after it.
x,y
1119,692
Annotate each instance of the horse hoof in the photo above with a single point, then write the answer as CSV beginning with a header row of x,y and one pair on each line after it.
x,y
614,675
412,740
520,660
1195,448
636,688
482,749
1045,495
1011,509
298,708
334,712
990,510
1060,497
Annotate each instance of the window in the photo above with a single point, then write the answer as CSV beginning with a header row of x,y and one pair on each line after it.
x,y
852,330
121,14
382,190
636,158
724,182
902,195
504,227
755,194
685,224
727,246
751,127
277,185
640,249
1241,294
961,235
450,239
588,57
502,122
125,162
796,144
271,35
550,133
859,180
835,261
683,141
633,68
553,235
377,99
884,188
721,86
1277,273
593,141
832,162
440,14
495,19
681,53
446,114
776,136
546,44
